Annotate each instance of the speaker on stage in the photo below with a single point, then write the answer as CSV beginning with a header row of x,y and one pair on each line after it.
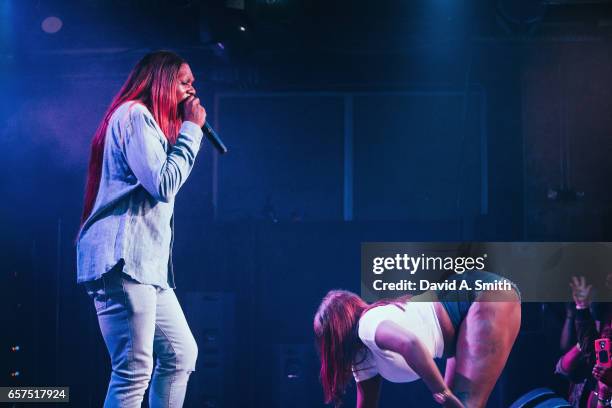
x,y
211,317
295,376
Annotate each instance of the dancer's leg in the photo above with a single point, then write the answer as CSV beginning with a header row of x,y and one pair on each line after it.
x,y
484,342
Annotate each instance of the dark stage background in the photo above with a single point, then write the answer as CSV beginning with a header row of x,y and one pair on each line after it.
x,y
347,122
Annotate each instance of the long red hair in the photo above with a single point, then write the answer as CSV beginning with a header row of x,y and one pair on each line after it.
x,y
335,325
152,82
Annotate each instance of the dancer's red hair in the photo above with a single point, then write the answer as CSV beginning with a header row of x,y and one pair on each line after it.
x,y
335,325
153,83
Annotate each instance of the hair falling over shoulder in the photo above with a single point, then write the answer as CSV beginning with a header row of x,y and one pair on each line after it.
x,y
152,82
335,327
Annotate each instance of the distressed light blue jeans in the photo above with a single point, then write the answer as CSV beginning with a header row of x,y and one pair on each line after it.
x,y
138,321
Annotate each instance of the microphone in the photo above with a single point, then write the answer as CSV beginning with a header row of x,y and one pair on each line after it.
x,y
208,131
214,138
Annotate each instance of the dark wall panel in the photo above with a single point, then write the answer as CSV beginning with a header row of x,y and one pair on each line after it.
x,y
286,157
415,153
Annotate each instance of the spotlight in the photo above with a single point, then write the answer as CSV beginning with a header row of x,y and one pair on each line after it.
x,y
219,50
51,25
242,28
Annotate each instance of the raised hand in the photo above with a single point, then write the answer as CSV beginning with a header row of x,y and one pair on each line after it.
x,y
581,292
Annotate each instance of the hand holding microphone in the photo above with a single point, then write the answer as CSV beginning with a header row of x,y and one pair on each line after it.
x,y
194,112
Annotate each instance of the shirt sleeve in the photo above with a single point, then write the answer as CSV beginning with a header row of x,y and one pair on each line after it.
x,y
161,173
364,366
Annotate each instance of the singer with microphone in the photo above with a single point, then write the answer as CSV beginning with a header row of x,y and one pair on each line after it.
x,y
141,155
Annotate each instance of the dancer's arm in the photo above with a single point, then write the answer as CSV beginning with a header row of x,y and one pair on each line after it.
x,y
391,336
368,392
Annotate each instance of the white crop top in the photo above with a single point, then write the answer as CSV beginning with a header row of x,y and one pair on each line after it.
x,y
417,317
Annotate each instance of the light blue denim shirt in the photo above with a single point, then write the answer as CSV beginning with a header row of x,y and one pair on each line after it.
x,y
132,218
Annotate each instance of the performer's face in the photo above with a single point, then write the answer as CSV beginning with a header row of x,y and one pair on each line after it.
x,y
185,79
